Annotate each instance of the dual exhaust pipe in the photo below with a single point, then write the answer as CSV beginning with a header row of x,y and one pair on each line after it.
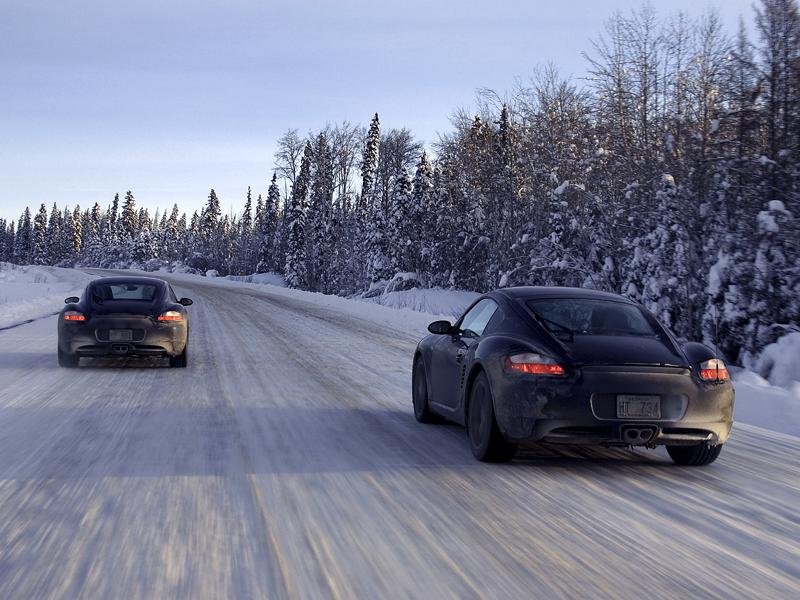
x,y
120,348
638,435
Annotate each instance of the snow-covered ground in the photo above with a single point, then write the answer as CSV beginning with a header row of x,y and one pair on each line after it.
x,y
757,401
779,362
285,462
31,292
402,310
432,301
770,406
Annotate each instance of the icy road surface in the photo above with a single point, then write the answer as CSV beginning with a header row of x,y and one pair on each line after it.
x,y
285,462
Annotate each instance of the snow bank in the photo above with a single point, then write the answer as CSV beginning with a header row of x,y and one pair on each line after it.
x,y
765,405
779,363
401,319
260,278
448,303
407,291
32,292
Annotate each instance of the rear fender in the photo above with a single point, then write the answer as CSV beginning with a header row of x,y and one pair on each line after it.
x,y
489,355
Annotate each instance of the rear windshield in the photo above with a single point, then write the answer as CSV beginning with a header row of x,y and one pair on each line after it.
x,y
591,317
103,292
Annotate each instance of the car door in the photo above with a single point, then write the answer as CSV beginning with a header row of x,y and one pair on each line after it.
x,y
449,356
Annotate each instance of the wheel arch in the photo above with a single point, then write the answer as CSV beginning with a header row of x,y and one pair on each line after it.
x,y
420,355
476,369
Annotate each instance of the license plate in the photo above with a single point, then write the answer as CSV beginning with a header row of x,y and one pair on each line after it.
x,y
120,335
630,406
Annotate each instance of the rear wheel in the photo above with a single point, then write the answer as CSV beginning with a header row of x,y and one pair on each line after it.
x,y
67,360
485,439
419,394
180,361
694,456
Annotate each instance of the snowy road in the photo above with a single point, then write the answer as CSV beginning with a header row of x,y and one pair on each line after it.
x,y
285,462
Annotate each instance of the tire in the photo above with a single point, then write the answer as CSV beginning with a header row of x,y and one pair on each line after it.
x,y
181,360
419,394
67,360
485,439
694,456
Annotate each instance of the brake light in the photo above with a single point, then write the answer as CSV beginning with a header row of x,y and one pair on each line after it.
x,y
170,315
534,364
714,370
74,315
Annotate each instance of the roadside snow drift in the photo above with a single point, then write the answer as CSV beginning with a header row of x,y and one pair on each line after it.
x,y
769,406
32,292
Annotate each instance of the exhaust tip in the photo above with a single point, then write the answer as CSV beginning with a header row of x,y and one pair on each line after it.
x,y
638,435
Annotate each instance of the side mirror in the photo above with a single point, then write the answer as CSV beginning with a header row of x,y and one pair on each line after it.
x,y
440,328
185,301
72,300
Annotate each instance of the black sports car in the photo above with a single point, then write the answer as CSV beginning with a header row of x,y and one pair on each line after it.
x,y
567,365
124,316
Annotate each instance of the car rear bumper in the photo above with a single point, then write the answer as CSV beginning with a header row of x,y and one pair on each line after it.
x,y
149,338
582,409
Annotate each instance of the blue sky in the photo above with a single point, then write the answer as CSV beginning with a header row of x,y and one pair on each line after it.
x,y
174,97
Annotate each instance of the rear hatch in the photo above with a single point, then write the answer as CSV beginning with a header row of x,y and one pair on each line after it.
x,y
123,312
599,331
620,350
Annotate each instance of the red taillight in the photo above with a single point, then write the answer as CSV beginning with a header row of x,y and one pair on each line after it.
x,y
714,370
534,364
74,315
170,315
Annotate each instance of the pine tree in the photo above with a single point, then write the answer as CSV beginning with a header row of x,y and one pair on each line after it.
x,y
665,290
77,237
369,162
113,212
401,243
171,236
318,219
423,217
208,230
129,217
269,244
70,239
244,243
54,241
39,250
774,288
23,243
6,243
295,269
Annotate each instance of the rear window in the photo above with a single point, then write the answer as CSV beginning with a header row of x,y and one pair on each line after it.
x,y
102,292
591,317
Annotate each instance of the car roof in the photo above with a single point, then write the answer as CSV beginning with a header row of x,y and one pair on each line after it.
x,y
530,292
140,280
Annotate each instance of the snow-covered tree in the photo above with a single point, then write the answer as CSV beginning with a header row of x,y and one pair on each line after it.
x,y
39,247
295,269
129,218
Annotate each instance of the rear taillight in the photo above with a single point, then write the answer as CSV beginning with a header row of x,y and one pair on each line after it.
x,y
74,315
714,370
534,364
170,315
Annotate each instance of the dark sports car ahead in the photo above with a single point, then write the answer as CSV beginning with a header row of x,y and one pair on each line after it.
x,y
124,316
567,365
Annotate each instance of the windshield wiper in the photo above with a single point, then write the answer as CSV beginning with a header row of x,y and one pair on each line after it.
x,y
621,332
560,327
